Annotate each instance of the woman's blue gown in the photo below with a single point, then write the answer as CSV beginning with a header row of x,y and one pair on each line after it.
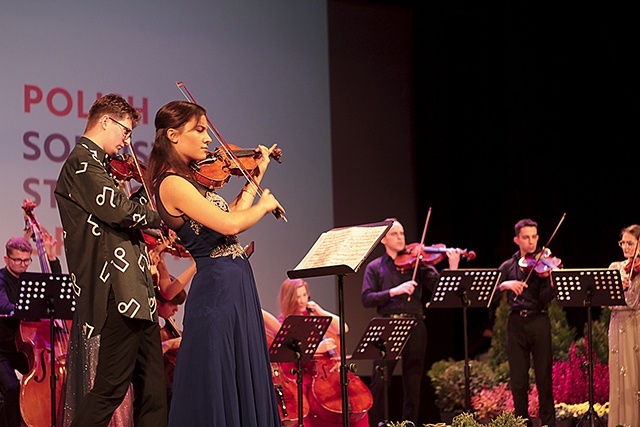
x,y
222,375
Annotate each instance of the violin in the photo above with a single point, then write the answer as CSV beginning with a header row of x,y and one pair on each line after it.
x,y
153,238
541,263
278,212
635,262
123,167
215,171
429,255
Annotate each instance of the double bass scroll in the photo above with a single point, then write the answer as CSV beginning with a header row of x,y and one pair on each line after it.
x,y
45,344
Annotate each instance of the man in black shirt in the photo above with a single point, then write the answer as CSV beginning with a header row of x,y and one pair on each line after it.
x,y
528,327
17,260
394,294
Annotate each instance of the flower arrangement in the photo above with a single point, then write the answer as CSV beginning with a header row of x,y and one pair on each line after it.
x,y
505,419
567,411
490,394
570,378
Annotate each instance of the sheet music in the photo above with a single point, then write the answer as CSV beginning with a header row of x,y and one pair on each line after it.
x,y
343,246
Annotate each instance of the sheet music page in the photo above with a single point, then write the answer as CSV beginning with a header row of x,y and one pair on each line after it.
x,y
344,246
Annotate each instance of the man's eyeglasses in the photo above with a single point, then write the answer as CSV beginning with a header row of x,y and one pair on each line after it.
x,y
25,261
127,131
622,243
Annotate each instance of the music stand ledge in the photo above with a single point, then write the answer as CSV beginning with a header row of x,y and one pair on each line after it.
x,y
465,288
341,251
297,341
46,296
384,339
587,288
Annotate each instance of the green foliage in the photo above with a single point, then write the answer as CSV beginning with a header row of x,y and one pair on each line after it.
x,y
498,349
600,331
448,380
465,420
506,419
562,335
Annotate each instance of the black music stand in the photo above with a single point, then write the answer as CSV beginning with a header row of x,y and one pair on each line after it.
x,y
384,339
46,296
465,288
337,252
297,341
588,288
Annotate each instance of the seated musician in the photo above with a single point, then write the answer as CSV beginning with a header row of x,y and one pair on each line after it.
x,y
294,299
17,259
170,334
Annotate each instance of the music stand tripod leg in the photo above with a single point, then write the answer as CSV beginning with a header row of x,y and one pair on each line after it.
x,y
590,418
385,391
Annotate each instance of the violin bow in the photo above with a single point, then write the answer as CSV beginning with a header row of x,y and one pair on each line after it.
x,y
418,257
539,256
278,213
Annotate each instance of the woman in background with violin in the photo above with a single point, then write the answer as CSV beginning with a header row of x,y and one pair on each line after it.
x,y
529,292
624,336
223,322
321,378
171,336
389,287
170,293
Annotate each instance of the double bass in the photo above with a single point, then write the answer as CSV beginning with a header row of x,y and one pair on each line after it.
x,y
34,340
286,390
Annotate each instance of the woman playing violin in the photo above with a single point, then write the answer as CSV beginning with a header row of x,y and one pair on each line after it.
x,y
223,322
624,336
392,292
294,299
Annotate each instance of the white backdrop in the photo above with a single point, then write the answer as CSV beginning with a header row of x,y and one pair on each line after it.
x,y
259,68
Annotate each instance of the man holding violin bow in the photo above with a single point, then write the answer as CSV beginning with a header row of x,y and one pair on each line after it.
x,y
530,291
392,290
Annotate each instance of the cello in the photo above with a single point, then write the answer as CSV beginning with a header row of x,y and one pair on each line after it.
x,y
325,396
40,383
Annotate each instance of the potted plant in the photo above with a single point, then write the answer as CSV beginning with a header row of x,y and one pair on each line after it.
x,y
448,379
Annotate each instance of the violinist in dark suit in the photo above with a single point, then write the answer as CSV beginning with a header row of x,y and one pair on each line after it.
x,y
17,259
394,294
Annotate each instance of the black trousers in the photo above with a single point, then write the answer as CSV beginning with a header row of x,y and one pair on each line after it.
x,y
130,352
10,387
527,337
413,355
